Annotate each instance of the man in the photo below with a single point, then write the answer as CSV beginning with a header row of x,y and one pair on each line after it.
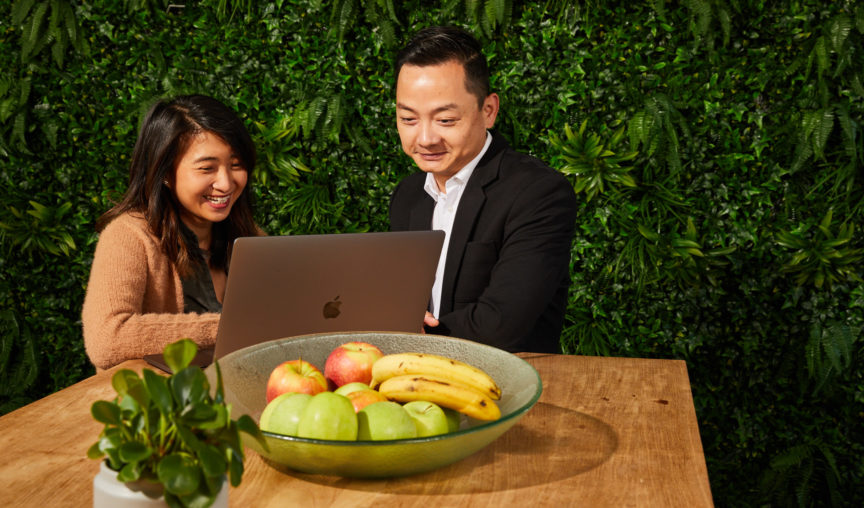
x,y
503,273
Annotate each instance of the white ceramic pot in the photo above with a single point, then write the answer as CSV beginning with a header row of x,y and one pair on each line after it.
x,y
108,492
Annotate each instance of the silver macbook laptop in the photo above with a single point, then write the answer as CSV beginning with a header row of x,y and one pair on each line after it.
x,y
283,286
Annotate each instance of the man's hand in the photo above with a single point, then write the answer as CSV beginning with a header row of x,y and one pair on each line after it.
x,y
430,321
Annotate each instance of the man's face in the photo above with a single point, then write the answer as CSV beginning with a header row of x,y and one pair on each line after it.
x,y
440,124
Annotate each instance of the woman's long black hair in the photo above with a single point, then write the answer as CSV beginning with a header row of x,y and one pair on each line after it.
x,y
166,133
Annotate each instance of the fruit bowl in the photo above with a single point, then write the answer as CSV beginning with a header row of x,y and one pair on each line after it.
x,y
245,373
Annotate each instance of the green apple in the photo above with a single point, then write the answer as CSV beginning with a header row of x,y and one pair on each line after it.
x,y
454,419
328,415
282,414
428,417
351,387
384,420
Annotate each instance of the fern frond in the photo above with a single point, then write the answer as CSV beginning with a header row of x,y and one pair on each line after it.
x,y
639,129
54,19
24,90
820,55
335,115
391,10
344,12
792,457
7,107
838,32
822,127
450,5
850,133
725,25
20,9
69,21
38,18
701,9
388,32
838,343
18,128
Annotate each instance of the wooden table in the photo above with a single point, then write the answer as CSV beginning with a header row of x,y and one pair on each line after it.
x,y
614,432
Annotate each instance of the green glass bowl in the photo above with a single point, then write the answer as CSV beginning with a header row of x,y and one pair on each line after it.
x,y
245,373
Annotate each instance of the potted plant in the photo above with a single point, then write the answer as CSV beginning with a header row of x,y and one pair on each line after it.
x,y
169,434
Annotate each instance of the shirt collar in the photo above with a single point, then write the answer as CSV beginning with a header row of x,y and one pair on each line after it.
x,y
461,177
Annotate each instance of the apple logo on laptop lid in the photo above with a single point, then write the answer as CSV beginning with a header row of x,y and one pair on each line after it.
x,y
331,309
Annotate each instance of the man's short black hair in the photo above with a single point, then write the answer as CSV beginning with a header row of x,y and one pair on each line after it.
x,y
440,44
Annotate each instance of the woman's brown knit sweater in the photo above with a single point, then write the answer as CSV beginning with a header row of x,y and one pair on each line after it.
x,y
134,301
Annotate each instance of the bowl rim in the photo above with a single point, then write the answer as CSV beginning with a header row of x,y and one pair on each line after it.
x,y
469,430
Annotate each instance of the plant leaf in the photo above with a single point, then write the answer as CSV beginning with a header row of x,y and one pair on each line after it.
x,y
246,424
159,393
106,412
134,451
178,355
179,474
189,386
212,461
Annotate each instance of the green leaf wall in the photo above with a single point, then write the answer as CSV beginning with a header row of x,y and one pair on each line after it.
x,y
717,147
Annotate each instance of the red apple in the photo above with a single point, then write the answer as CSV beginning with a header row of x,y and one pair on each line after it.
x,y
362,398
351,363
297,376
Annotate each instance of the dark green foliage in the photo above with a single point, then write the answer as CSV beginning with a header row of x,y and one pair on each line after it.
x,y
717,145
172,431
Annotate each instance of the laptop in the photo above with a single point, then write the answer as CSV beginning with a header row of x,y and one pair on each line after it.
x,y
284,286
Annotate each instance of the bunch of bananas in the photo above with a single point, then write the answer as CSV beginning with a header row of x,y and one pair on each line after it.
x,y
405,377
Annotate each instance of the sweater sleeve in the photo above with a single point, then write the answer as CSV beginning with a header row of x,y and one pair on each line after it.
x,y
131,308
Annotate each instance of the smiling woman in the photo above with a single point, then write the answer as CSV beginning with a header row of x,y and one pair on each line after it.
x,y
161,263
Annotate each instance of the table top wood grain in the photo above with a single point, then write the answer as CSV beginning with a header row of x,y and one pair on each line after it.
x,y
615,432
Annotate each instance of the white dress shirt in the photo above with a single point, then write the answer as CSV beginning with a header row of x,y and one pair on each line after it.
x,y
446,204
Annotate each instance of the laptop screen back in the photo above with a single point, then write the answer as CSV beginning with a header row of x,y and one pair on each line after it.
x,y
281,286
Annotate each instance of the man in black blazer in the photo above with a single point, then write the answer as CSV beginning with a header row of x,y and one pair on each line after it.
x,y
508,218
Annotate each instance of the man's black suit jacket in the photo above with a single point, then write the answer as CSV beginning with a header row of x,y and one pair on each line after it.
x,y
507,270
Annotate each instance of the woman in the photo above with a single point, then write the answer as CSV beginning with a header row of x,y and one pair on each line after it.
x,y
160,265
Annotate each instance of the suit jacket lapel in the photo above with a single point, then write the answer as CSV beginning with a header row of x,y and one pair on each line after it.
x,y
470,205
421,214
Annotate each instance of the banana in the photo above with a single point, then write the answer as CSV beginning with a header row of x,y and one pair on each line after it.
x,y
442,391
440,366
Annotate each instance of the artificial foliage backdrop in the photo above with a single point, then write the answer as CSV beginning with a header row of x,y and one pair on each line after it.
x,y
716,148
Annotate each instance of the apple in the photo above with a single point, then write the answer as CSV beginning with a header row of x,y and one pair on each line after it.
x,y
328,415
351,387
282,414
362,398
428,417
454,419
297,376
351,362
383,421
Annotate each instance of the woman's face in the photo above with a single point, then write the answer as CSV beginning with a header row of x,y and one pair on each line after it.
x,y
208,180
